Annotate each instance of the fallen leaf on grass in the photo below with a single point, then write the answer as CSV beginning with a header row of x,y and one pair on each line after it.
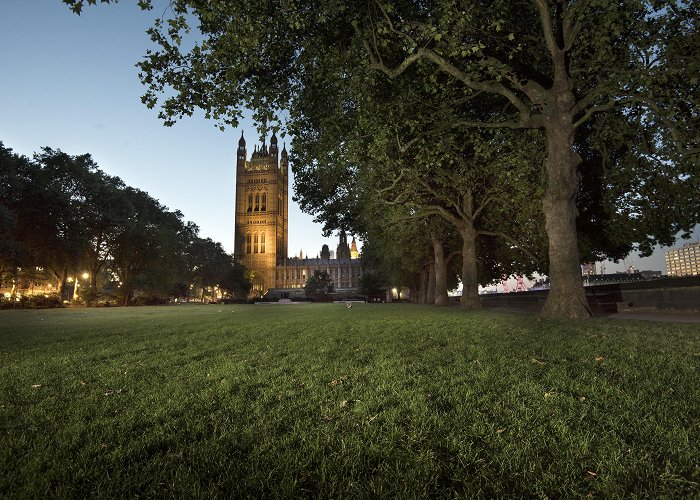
x,y
599,358
343,403
591,473
36,386
83,382
550,394
499,431
535,361
339,381
582,398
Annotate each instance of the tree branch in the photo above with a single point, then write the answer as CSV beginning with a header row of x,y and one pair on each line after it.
x,y
512,242
483,205
444,198
547,27
571,29
393,184
451,256
446,67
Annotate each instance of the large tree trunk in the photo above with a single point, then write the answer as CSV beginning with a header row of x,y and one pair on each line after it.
x,y
566,298
430,298
423,286
440,271
61,278
470,281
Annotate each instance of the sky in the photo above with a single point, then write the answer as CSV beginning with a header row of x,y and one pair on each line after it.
x,y
70,82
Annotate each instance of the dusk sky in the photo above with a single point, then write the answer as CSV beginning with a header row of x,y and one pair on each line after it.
x,y
69,82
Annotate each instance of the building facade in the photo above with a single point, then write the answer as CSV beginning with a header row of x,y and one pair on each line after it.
x,y
261,227
684,261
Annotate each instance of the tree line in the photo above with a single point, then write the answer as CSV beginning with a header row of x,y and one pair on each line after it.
x,y
517,135
62,217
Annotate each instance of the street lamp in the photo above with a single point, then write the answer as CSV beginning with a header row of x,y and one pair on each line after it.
x,y
77,284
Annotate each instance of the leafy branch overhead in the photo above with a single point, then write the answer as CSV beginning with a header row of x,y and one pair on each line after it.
x,y
566,69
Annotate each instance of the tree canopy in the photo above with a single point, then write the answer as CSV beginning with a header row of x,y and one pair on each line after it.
x,y
319,285
561,67
62,213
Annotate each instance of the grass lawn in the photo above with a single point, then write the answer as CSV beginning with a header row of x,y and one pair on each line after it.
x,y
319,400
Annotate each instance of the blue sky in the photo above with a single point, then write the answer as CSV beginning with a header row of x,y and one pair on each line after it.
x,y
70,83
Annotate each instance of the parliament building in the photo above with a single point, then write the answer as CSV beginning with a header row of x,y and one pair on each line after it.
x,y
261,228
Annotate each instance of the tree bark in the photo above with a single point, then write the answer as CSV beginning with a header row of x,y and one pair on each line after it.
x,y
61,278
470,281
423,299
566,298
430,297
440,271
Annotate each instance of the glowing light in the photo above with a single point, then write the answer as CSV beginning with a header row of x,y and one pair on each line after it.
x,y
86,276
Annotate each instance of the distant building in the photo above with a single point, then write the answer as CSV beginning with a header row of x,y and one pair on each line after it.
x,y
261,232
650,275
588,268
684,261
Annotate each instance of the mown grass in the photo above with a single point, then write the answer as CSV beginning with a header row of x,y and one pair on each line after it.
x,y
391,401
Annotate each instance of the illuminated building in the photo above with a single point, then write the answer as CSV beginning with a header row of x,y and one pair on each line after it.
x,y
261,227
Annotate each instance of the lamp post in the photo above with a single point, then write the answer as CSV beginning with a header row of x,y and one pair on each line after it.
x,y
85,276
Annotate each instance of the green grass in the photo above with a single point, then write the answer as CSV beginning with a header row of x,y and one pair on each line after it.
x,y
390,401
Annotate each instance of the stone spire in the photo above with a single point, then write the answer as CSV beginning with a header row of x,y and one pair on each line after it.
x,y
353,249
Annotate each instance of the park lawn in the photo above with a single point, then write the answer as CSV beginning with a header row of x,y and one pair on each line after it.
x,y
381,400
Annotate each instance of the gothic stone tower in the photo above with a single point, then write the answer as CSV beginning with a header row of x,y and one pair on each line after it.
x,y
261,211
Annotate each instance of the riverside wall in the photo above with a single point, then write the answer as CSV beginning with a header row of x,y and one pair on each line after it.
x,y
681,294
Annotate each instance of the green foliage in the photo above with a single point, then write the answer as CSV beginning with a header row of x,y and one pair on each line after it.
x,y
32,302
319,285
541,65
317,400
62,213
371,283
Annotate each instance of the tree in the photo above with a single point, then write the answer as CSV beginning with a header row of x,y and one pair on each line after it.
x,y
319,285
13,180
209,266
49,223
148,254
371,283
550,65
237,280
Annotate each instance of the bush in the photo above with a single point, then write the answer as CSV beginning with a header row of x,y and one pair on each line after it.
x,y
46,301
148,300
32,302
89,295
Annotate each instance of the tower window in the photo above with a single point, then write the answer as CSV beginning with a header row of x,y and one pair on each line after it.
x,y
262,238
248,241
250,203
264,203
257,202
255,243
